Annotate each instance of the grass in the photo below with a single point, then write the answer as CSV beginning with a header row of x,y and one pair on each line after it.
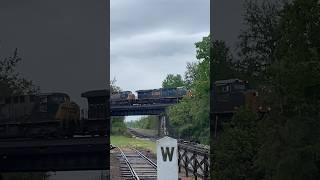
x,y
123,141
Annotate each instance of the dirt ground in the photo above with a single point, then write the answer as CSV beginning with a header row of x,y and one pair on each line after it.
x,y
115,173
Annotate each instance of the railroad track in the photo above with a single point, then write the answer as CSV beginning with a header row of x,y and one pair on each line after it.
x,y
136,166
142,135
190,153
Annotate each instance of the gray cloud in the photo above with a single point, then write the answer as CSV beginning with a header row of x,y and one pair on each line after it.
x,y
150,39
139,16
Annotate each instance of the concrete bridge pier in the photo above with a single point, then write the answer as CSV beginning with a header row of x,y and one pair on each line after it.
x,y
162,125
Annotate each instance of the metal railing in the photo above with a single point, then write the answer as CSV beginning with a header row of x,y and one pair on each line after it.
x,y
194,160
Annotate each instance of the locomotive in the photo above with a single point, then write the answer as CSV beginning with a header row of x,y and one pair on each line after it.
x,y
43,115
122,98
162,95
151,96
228,95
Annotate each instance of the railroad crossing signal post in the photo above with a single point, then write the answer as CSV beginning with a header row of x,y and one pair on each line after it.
x,y
167,159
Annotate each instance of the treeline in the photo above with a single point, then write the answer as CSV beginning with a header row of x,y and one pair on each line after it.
x,y
279,53
190,118
147,122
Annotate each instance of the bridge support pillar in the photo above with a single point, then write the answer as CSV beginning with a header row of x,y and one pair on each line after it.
x,y
162,127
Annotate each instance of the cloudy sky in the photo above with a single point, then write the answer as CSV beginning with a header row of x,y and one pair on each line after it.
x,y
150,39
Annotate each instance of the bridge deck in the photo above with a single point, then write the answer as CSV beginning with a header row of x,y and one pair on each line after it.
x,y
150,109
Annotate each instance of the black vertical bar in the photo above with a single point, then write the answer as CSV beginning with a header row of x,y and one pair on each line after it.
x,y
195,165
179,159
206,168
186,164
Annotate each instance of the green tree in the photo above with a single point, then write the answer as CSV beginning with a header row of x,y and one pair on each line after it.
x,y
257,42
293,142
280,48
173,81
237,148
147,122
11,83
190,117
118,126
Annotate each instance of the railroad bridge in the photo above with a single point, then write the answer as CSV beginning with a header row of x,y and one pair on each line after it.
x,y
150,109
78,153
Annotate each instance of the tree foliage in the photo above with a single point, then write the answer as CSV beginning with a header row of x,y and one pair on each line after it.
x,y
259,40
147,122
190,118
294,139
11,83
237,148
118,126
173,81
280,49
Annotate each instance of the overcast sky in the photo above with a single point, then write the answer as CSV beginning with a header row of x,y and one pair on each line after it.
x,y
150,39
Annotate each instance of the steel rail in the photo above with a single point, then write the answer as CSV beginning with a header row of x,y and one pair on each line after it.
x,y
146,158
134,174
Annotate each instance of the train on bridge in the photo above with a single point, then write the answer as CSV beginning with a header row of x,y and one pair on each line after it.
x,y
226,96
151,96
55,115
50,115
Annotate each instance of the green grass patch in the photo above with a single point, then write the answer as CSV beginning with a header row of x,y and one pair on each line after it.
x,y
123,141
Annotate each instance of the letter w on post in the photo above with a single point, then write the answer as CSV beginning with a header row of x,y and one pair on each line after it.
x,y
168,153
